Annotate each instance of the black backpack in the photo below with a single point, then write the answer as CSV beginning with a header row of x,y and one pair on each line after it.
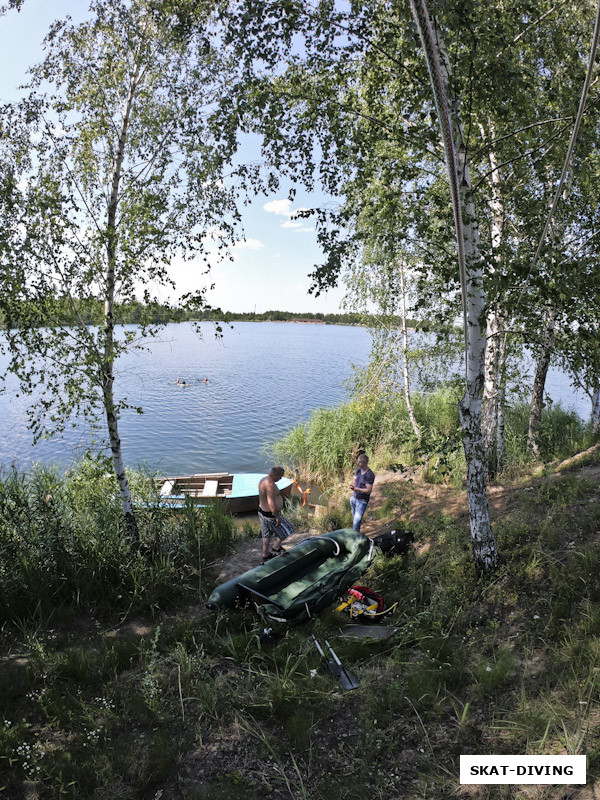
x,y
394,542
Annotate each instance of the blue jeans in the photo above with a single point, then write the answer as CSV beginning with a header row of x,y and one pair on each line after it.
x,y
358,509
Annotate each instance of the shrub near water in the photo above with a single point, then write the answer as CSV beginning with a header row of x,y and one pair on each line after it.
x,y
63,543
326,443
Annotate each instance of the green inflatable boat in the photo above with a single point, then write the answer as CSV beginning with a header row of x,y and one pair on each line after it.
x,y
310,576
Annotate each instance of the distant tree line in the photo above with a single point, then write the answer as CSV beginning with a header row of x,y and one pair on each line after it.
x,y
90,312
350,318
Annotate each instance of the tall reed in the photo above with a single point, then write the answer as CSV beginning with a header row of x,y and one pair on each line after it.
x,y
63,543
324,447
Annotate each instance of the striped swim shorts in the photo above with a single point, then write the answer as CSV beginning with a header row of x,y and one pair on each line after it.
x,y
268,528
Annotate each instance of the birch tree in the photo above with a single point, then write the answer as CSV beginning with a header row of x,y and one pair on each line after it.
x,y
380,290
470,267
345,99
112,167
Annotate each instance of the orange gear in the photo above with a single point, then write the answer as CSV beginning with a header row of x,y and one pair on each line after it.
x,y
303,492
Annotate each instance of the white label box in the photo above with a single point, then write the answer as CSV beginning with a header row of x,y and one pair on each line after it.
x,y
523,769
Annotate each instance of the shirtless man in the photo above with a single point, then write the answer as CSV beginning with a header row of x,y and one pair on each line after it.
x,y
274,527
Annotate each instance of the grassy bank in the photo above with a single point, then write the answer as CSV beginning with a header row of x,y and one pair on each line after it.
x,y
327,444
190,704
63,547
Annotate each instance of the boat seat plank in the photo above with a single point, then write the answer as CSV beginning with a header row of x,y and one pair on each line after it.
x,y
210,489
167,488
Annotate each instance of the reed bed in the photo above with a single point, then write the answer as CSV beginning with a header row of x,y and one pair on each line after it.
x,y
63,543
326,446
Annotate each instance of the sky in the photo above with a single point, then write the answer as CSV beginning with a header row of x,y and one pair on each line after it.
x,y
270,269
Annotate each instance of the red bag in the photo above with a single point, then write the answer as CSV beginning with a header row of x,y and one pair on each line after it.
x,y
368,595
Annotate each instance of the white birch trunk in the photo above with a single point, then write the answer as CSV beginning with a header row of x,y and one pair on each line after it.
x,y
539,384
108,361
409,405
484,547
482,538
501,404
494,327
596,411
490,403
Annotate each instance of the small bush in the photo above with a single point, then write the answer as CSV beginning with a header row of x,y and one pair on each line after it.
x,y
334,520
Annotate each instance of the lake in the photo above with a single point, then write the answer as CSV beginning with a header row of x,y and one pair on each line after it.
x,y
263,378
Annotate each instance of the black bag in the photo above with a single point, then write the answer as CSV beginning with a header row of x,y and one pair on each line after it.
x,y
395,542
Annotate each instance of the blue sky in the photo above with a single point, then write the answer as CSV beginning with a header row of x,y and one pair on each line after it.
x,y
270,270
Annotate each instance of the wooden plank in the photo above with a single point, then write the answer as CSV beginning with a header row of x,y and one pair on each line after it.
x,y
210,489
167,488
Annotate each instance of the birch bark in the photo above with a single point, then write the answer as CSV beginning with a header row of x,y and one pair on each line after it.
x,y
501,404
596,411
490,403
484,547
494,325
409,405
109,327
470,262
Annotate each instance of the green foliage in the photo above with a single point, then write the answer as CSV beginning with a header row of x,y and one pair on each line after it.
x,y
326,446
489,665
297,514
562,433
63,543
334,519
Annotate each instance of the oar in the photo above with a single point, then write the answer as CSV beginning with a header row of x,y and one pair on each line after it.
x,y
331,665
347,679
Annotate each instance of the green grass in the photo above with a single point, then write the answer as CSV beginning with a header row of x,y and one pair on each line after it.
x,y
194,704
63,544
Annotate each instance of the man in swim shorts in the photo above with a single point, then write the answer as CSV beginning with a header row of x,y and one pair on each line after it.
x,y
274,527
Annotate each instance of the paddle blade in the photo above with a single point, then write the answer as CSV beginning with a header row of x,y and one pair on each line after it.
x,y
332,667
348,680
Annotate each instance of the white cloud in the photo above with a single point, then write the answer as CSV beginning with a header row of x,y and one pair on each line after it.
x,y
283,208
249,244
297,226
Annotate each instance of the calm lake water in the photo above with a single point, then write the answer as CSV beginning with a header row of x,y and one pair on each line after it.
x,y
263,378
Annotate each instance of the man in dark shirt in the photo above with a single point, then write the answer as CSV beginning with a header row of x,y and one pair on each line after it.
x,y
361,486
